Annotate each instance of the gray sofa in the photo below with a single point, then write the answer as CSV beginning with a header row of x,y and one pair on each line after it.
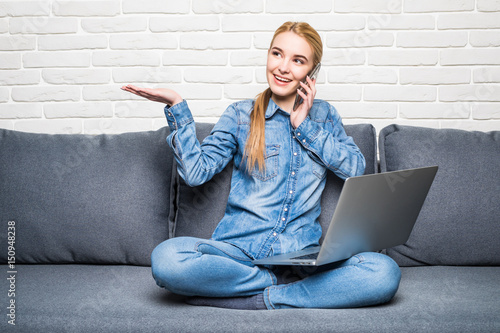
x,y
82,214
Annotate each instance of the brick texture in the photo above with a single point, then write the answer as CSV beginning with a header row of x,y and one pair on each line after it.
x,y
433,63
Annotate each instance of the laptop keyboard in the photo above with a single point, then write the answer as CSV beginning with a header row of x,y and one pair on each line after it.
x,y
307,256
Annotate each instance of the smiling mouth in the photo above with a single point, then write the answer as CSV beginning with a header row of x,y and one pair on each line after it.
x,y
282,79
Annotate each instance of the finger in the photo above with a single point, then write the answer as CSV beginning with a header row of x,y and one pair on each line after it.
x,y
311,83
305,106
138,89
308,98
134,91
141,92
306,87
131,89
302,93
305,93
145,92
312,88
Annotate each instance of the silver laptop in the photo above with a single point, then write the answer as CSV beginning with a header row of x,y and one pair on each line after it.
x,y
374,212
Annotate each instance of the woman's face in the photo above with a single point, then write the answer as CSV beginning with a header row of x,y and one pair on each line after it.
x,y
289,60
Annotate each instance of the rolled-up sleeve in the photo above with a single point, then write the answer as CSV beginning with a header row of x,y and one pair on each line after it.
x,y
178,115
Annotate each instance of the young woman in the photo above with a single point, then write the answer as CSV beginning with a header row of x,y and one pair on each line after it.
x,y
280,161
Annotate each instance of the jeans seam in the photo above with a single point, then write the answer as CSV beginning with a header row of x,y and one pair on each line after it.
x,y
197,245
268,298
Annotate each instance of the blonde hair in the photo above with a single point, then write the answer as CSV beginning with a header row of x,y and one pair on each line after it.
x,y
255,146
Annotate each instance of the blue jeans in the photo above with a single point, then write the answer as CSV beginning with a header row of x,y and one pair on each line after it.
x,y
192,266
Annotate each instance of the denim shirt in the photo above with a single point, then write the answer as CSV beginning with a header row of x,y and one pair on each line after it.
x,y
274,211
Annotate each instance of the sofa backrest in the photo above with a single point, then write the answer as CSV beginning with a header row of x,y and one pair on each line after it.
x,y
85,199
459,223
110,199
201,208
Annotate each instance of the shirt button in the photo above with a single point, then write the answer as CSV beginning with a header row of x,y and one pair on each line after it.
x,y
286,209
275,234
170,114
282,219
298,134
293,137
293,173
294,154
304,140
291,192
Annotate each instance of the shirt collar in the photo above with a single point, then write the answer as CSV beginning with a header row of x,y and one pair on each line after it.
x,y
272,108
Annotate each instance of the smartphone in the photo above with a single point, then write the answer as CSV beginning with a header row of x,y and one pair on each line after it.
x,y
312,75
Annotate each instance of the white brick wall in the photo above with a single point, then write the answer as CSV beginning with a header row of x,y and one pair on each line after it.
x,y
432,63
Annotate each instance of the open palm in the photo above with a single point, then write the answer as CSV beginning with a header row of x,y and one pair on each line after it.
x,y
162,95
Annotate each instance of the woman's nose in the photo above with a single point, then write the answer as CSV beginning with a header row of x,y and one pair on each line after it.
x,y
284,66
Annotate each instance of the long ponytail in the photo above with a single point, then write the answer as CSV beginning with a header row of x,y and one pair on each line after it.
x,y
255,146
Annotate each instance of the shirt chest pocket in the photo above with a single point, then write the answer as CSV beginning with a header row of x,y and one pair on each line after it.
x,y
271,159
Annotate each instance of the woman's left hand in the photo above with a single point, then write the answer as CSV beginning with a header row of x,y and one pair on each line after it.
x,y
298,116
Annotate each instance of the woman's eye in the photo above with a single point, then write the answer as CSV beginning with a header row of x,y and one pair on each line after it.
x,y
276,53
298,61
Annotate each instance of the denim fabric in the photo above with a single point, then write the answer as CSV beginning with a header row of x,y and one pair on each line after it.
x,y
194,266
366,279
276,210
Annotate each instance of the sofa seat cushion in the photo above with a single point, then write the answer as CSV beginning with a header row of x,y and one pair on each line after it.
x,y
111,298
85,199
202,207
459,223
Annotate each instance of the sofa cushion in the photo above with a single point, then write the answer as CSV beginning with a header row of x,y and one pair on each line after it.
x,y
201,208
85,199
114,298
459,222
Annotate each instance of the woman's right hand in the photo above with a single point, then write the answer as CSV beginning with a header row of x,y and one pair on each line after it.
x,y
162,95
